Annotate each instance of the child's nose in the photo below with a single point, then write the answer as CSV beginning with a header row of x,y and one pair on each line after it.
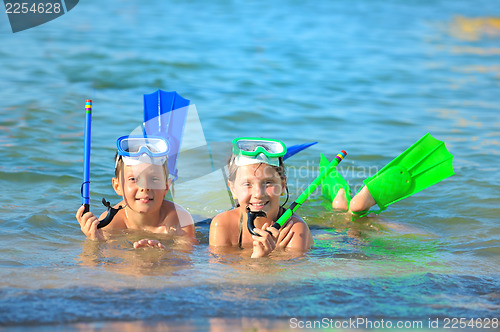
x,y
258,191
142,183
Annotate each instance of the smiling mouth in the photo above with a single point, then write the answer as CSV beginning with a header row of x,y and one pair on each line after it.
x,y
145,200
258,206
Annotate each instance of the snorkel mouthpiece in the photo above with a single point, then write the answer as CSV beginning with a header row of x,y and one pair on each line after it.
x,y
252,215
111,214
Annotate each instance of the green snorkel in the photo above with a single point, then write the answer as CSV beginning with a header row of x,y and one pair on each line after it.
x,y
312,187
301,199
86,171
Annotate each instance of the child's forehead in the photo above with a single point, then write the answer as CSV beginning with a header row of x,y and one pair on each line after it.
x,y
141,168
260,171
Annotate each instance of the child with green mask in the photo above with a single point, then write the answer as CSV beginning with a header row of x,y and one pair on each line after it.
x,y
257,180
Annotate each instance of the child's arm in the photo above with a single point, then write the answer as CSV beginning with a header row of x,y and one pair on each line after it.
x,y
177,222
183,220
186,219
88,224
189,230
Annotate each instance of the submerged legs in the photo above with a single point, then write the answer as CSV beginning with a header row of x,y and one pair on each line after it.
x,y
362,201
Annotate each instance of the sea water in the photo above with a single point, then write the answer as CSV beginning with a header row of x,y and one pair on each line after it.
x,y
369,77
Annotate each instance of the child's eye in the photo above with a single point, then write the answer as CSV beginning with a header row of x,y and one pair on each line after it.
x,y
131,179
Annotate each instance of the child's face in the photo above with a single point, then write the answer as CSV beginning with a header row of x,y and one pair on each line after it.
x,y
259,187
142,186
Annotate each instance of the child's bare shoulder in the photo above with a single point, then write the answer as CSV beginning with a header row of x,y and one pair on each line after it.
x,y
174,213
226,218
301,231
170,206
224,228
298,223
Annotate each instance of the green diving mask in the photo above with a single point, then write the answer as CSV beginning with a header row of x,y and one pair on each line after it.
x,y
253,150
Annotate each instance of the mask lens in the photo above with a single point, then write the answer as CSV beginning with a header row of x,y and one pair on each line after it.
x,y
254,147
135,146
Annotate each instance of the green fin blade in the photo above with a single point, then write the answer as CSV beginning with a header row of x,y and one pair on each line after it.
x,y
422,165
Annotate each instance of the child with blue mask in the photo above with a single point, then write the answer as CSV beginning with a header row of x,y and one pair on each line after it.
x,y
141,179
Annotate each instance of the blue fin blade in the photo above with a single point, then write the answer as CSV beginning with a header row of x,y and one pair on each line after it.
x,y
290,151
160,102
160,120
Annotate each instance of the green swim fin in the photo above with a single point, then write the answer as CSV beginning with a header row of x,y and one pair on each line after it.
x,y
331,185
423,164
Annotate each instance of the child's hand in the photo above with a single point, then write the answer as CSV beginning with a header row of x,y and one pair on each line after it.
x,y
265,243
146,243
285,235
88,224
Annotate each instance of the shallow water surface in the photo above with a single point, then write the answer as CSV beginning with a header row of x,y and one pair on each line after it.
x,y
368,77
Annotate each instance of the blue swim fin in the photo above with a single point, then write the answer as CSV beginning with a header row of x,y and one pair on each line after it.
x,y
294,149
161,119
